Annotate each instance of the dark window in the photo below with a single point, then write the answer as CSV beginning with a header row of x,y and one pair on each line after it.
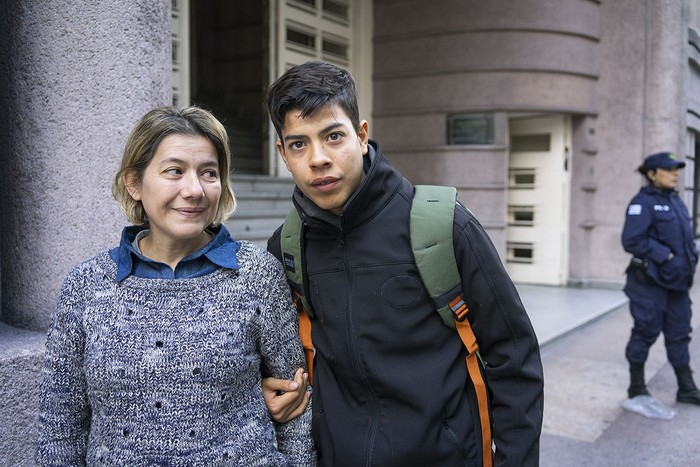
x,y
522,178
335,48
520,252
301,38
530,143
336,8
521,215
692,164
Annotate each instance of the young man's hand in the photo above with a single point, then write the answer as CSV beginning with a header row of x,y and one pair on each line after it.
x,y
286,399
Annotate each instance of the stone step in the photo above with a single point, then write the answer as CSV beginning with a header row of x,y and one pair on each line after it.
x,y
261,184
21,358
263,204
251,203
262,223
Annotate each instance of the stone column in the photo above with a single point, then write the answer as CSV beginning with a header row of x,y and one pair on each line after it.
x,y
666,67
77,76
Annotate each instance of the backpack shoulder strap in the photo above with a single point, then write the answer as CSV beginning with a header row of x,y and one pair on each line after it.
x,y
291,244
431,224
431,227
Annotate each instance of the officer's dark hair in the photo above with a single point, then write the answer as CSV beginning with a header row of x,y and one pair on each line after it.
x,y
309,87
642,169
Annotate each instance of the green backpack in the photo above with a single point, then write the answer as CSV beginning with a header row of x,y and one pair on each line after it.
x,y
431,225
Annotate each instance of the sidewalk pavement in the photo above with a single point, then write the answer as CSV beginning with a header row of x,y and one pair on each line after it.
x,y
583,334
557,311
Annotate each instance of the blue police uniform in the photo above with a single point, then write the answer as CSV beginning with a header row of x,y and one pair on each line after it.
x,y
657,224
658,232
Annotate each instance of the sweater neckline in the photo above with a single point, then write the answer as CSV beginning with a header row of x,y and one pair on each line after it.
x,y
110,271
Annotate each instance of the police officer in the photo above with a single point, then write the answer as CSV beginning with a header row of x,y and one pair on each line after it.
x,y
658,232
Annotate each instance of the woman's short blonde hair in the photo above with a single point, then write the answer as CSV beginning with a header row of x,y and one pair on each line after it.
x,y
143,141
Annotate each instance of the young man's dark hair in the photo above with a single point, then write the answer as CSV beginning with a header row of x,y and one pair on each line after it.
x,y
390,382
310,86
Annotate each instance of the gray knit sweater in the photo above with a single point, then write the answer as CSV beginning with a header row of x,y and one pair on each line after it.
x,y
167,372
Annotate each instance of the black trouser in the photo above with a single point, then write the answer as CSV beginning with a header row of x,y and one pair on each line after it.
x,y
654,310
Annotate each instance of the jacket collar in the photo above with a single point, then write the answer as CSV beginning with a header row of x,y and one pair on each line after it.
x,y
221,250
653,189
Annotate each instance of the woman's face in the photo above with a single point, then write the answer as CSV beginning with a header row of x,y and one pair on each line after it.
x,y
666,179
180,190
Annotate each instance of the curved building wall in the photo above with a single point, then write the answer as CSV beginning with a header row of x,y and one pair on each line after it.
x,y
455,56
625,73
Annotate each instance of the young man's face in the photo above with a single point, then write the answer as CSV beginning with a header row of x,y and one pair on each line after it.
x,y
324,154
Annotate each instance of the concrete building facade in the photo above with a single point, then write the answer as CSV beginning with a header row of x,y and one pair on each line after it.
x,y
611,79
539,111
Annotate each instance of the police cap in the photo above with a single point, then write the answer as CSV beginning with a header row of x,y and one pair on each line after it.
x,y
662,160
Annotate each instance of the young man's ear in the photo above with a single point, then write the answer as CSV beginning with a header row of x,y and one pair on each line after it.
x,y
280,150
363,136
132,184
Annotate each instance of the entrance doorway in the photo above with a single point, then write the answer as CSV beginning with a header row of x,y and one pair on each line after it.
x,y
227,52
228,66
538,200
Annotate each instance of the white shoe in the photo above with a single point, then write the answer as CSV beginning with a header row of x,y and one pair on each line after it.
x,y
649,407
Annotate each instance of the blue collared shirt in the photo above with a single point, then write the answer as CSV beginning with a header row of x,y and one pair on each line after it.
x,y
219,252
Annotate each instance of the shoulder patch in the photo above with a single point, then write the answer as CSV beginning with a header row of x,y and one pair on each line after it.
x,y
634,210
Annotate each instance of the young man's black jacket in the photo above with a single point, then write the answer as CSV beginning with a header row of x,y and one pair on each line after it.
x,y
390,381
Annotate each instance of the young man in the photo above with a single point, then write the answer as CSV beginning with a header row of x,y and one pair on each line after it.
x,y
390,384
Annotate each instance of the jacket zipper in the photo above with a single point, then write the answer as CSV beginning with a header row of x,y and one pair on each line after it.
x,y
349,336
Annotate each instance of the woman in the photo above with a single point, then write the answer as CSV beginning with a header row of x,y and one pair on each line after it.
x,y
155,350
658,232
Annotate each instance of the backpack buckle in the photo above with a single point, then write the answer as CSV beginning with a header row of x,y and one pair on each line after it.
x,y
459,308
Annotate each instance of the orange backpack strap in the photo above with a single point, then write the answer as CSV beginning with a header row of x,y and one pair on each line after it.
x,y
431,226
308,346
464,329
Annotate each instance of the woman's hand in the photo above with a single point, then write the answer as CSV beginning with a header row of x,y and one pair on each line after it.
x,y
286,399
